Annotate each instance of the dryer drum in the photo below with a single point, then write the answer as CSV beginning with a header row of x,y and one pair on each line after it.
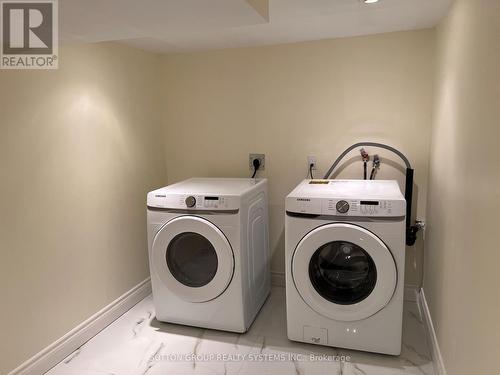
x,y
192,259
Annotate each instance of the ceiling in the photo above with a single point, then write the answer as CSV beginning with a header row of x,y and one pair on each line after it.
x,y
171,26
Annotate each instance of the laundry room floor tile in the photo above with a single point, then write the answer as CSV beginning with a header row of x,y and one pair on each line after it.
x,y
138,344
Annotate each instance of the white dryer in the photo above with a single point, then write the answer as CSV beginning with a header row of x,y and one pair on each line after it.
x,y
345,258
209,251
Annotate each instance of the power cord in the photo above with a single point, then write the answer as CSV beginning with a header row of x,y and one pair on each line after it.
x,y
256,166
311,166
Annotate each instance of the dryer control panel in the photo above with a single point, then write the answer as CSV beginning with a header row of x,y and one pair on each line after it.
x,y
159,199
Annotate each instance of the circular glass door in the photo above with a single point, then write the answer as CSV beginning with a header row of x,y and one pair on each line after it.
x,y
193,258
344,272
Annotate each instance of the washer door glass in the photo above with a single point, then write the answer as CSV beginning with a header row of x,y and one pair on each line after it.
x,y
342,272
192,260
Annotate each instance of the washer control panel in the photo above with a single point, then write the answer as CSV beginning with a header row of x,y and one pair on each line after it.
x,y
347,198
351,207
347,207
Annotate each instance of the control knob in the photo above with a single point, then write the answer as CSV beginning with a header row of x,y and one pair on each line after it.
x,y
342,207
190,201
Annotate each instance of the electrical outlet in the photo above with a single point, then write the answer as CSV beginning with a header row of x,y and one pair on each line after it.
x,y
311,160
260,157
422,225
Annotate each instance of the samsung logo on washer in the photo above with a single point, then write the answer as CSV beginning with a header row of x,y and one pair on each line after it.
x,y
303,200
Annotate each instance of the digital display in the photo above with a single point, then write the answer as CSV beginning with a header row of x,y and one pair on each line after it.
x,y
211,198
369,203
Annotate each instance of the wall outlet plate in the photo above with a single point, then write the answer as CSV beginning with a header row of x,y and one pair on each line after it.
x,y
262,159
311,159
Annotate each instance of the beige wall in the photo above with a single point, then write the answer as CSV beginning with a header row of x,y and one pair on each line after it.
x,y
79,149
462,257
295,100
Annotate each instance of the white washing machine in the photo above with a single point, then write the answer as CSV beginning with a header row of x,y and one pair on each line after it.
x,y
209,251
345,258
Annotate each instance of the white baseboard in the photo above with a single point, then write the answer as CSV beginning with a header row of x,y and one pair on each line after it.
x,y
60,349
277,278
431,334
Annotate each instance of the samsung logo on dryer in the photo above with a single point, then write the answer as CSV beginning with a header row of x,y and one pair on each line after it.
x,y
303,199
160,196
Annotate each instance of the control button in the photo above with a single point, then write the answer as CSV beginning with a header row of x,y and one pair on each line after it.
x,y
342,207
190,201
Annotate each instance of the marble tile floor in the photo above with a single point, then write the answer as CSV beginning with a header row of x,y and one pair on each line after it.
x,y
138,344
